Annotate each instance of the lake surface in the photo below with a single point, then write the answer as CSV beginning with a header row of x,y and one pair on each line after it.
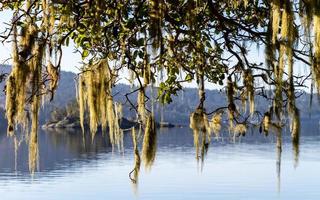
x,y
248,168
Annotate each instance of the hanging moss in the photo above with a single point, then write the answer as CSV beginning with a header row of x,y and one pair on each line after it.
x,y
215,123
199,121
248,82
196,142
35,67
92,101
81,100
25,85
111,119
295,134
11,108
240,129
118,133
316,61
137,160
283,20
33,152
295,126
149,146
54,78
200,126
232,111
266,123
156,15
16,88
276,16
141,105
94,93
146,65
33,142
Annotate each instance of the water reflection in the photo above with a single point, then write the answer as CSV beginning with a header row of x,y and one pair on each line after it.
x,y
137,161
278,162
276,130
62,153
296,150
50,150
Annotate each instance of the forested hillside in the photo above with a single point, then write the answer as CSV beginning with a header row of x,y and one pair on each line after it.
x,y
178,111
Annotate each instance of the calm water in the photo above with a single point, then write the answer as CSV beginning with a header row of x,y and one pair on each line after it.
x,y
246,169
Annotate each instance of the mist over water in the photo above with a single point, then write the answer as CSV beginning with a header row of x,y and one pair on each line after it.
x,y
70,167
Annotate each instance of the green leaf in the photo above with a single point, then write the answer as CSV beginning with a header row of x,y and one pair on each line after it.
x,y
189,77
85,54
67,41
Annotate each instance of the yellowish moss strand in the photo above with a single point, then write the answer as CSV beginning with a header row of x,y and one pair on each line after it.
x,y
149,146
200,125
240,129
137,160
141,105
92,102
316,64
111,120
215,123
276,15
81,101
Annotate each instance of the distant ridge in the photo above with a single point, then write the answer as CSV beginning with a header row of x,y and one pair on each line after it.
x,y
177,112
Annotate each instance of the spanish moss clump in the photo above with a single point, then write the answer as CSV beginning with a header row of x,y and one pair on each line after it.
x,y
146,65
295,134
93,105
10,105
33,151
149,146
54,78
237,3
25,78
94,94
276,15
156,16
111,120
240,130
200,126
266,123
196,142
249,88
35,66
316,63
81,101
16,88
232,110
295,125
215,123
199,121
141,105
118,133
283,20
